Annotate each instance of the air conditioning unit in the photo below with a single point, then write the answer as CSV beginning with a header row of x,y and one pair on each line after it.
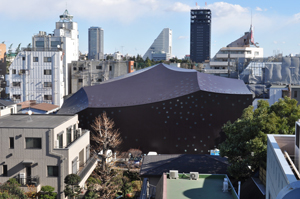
x,y
194,175
173,174
57,144
225,185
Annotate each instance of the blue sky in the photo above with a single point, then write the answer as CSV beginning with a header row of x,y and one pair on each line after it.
x,y
130,26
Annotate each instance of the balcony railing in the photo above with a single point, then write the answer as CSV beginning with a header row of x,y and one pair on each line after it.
x,y
84,168
24,181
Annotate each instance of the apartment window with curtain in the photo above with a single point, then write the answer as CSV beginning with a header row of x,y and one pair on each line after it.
x,y
60,140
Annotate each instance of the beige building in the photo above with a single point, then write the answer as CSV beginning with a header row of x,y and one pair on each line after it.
x,y
43,149
93,72
2,59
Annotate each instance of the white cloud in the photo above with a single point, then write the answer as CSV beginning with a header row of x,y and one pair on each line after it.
x,y
179,7
275,42
182,37
120,10
258,9
283,42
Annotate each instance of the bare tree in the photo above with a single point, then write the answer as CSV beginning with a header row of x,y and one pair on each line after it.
x,y
105,137
135,153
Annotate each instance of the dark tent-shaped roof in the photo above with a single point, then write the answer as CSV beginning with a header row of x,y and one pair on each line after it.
x,y
156,83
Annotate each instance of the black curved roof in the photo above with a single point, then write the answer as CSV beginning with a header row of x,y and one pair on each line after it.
x,y
156,83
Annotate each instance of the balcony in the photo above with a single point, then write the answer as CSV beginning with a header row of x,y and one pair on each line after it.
x,y
33,181
86,169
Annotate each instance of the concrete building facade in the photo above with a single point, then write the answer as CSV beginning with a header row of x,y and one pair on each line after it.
x,y
89,73
96,43
65,37
37,75
43,149
200,35
161,48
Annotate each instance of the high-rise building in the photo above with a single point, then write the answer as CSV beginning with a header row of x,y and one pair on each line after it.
x,y
200,35
161,49
96,49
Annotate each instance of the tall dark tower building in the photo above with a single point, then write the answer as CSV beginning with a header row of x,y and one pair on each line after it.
x,y
200,35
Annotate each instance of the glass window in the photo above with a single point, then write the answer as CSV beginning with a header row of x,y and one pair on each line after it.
x,y
80,80
110,68
16,84
11,143
60,140
295,93
88,152
47,97
47,72
74,165
99,67
4,170
47,84
74,68
13,71
39,43
99,80
47,59
55,43
69,135
35,59
52,171
33,143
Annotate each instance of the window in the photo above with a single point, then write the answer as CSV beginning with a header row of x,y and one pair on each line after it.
x,y
295,94
23,58
60,139
99,80
13,71
52,171
39,43
11,143
47,84
80,80
297,135
99,67
74,165
80,69
256,53
47,59
47,97
74,68
22,71
55,44
35,59
4,170
74,132
88,152
69,135
33,143
16,84
110,68
17,97
47,72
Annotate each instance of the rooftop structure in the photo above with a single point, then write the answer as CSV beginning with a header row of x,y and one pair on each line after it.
x,y
161,49
161,108
203,186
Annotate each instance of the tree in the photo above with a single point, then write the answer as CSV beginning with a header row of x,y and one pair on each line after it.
x,y
47,192
105,137
246,142
18,48
126,186
135,153
11,187
72,189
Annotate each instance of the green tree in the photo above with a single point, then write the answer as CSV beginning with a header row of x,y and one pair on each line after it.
x,y
47,192
11,188
18,48
72,189
126,186
246,142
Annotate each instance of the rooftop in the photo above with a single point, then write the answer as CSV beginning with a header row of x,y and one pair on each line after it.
x,y
33,121
207,186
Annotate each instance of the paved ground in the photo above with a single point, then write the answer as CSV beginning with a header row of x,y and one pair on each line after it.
x,y
195,189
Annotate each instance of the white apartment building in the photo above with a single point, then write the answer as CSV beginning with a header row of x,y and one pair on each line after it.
x,y
42,150
65,37
161,48
237,51
37,75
